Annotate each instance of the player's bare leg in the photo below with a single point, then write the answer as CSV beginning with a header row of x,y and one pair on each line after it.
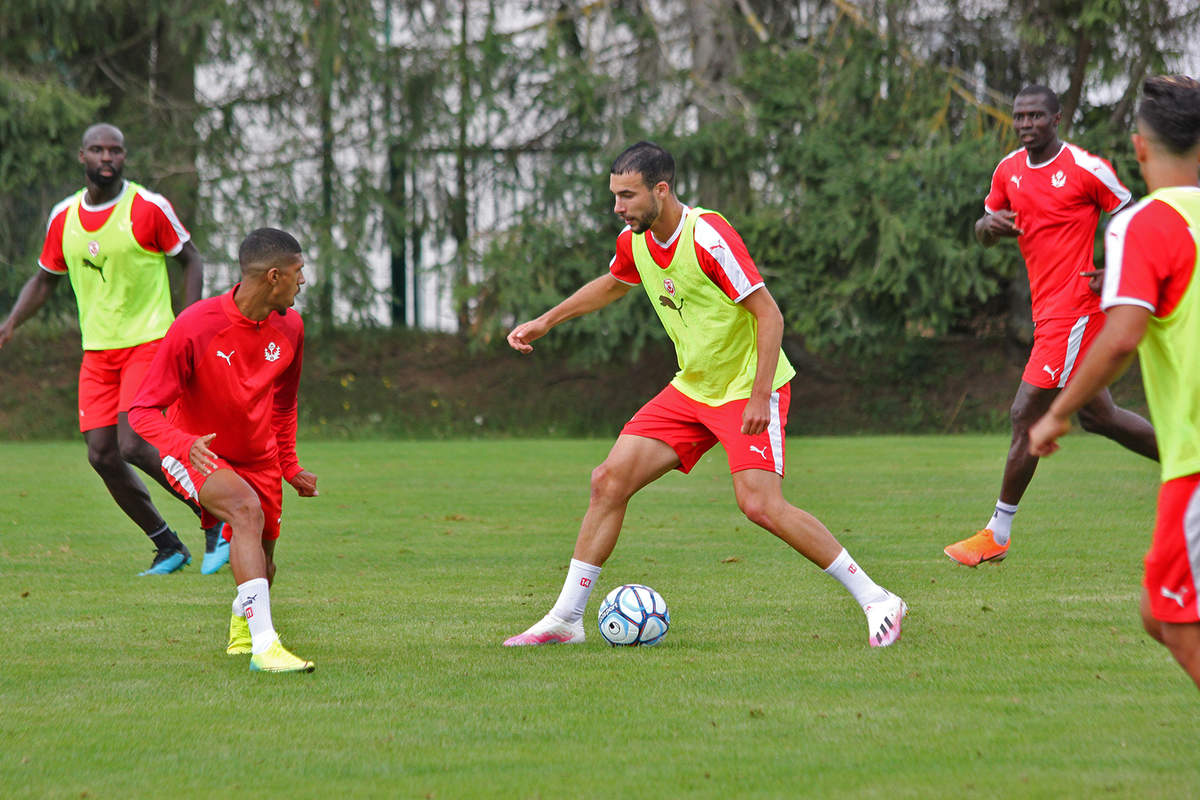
x,y
137,451
132,497
1124,427
760,497
991,542
632,463
231,499
1182,639
1030,403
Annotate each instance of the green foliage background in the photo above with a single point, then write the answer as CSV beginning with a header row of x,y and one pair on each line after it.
x,y
850,143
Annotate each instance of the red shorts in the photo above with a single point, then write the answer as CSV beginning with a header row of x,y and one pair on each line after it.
x,y
1174,554
1058,346
691,428
267,484
108,380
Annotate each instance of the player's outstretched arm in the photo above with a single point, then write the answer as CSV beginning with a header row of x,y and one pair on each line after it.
x,y
593,295
34,294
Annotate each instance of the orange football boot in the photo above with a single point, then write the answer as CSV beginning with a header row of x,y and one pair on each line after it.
x,y
976,549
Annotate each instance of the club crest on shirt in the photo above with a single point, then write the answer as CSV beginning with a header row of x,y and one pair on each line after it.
x,y
93,248
1058,179
272,353
669,285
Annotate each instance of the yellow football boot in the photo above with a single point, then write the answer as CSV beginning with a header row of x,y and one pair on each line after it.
x,y
239,636
276,659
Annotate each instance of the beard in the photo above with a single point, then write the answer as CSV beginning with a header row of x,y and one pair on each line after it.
x,y
643,223
95,176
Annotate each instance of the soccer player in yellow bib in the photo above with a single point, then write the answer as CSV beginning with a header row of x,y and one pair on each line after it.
x,y
111,240
1152,297
731,387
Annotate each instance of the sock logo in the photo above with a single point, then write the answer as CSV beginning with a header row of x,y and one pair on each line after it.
x,y
585,582
853,568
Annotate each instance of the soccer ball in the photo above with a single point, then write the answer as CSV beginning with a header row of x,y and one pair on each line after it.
x,y
634,614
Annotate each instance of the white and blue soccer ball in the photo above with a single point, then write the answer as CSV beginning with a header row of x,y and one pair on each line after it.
x,y
634,614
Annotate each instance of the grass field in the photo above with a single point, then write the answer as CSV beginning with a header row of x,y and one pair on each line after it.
x,y
1027,679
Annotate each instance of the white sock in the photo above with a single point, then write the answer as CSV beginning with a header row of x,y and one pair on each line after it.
x,y
237,606
864,590
577,588
255,599
1001,522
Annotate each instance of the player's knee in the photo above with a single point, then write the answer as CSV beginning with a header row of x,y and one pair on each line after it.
x,y
247,516
756,508
607,484
105,460
1095,422
1022,418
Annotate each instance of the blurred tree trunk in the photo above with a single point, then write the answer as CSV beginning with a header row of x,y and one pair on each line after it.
x,y
326,58
715,67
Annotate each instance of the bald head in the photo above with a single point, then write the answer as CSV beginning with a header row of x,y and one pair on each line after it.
x,y
102,131
102,153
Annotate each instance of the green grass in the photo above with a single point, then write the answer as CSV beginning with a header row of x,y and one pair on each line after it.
x,y
1027,679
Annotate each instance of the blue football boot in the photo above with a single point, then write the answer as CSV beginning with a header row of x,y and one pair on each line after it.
x,y
216,550
167,561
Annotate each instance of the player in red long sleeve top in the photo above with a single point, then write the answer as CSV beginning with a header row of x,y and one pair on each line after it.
x,y
227,374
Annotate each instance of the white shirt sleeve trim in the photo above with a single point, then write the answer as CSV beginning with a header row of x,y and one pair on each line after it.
x,y
749,292
1107,303
714,244
168,210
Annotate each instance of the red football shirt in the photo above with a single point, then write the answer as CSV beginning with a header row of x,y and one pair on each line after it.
x,y
218,372
1058,205
155,226
1149,258
719,249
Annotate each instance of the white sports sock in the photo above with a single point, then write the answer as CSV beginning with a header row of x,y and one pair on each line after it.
x,y
1001,522
864,590
254,596
237,606
577,588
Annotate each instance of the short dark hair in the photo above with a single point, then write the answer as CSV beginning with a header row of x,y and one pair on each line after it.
x,y
1043,91
652,162
1170,108
267,247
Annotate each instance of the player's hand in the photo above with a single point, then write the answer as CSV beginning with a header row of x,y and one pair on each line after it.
x,y
1002,223
305,484
1043,436
203,459
1095,279
756,417
521,336
6,333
